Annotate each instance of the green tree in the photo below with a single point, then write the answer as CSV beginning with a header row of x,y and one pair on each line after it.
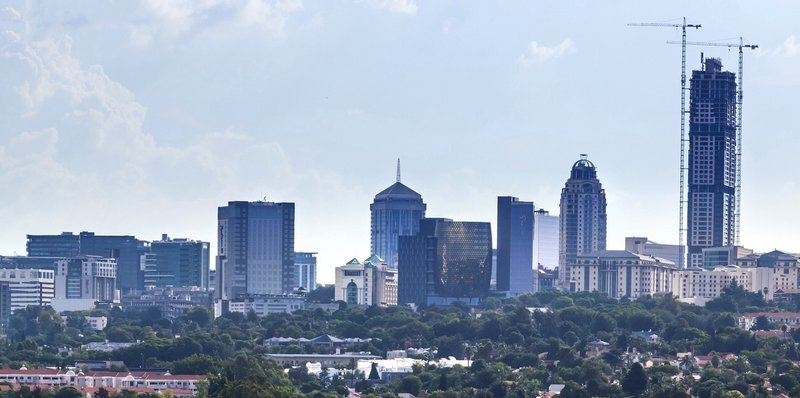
x,y
635,381
411,385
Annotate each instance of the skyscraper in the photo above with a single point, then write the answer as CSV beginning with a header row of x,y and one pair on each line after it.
x,y
583,217
396,212
712,160
125,249
181,262
545,239
256,249
445,261
305,270
514,245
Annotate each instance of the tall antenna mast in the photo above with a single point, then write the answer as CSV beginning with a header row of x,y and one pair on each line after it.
x,y
398,169
682,199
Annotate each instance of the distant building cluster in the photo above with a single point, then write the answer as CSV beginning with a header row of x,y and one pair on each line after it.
x,y
420,260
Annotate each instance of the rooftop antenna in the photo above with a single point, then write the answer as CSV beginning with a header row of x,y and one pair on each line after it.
x,y
398,169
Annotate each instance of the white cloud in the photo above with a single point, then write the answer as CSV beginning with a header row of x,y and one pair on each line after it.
x,y
537,54
408,7
789,48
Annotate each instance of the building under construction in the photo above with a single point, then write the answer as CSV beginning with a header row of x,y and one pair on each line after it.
x,y
712,160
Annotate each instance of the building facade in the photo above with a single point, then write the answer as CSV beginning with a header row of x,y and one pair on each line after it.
x,y
712,160
29,286
305,271
721,256
180,262
700,284
515,227
395,212
784,266
125,249
371,282
83,280
5,304
583,217
266,304
256,249
445,261
620,273
545,239
642,245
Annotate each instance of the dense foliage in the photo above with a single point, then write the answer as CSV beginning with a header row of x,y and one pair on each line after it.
x,y
513,349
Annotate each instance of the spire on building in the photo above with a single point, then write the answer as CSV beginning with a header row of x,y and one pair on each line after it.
x,y
398,169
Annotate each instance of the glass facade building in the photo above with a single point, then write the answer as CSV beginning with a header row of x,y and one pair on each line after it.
x,y
256,249
445,261
181,262
305,270
515,222
125,249
712,160
583,217
396,212
545,239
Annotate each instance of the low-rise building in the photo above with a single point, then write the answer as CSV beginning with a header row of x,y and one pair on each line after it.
x,y
784,266
172,302
265,304
97,322
746,321
150,381
34,286
324,359
698,284
371,282
620,273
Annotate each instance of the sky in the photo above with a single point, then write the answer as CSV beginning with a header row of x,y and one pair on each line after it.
x,y
142,117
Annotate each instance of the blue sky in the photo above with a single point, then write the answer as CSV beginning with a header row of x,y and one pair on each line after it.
x,y
141,117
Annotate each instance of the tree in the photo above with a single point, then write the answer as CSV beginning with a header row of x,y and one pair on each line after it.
x,y
373,372
411,385
635,381
68,392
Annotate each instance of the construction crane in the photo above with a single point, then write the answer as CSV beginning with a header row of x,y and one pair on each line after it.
x,y
739,96
682,200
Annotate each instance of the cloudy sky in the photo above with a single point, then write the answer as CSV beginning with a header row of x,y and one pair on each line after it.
x,y
141,117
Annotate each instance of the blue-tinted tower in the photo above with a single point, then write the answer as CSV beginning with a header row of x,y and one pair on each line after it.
x,y
515,221
396,212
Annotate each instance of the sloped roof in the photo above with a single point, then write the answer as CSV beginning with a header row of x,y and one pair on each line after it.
x,y
771,258
398,191
354,261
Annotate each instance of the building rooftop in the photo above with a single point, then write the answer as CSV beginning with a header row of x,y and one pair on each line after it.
x,y
398,191
583,169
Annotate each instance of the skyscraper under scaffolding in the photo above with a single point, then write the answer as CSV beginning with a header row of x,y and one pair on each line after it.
x,y
712,160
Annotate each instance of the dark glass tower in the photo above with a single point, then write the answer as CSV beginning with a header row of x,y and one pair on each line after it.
x,y
256,249
712,160
445,261
181,262
514,245
396,212
583,217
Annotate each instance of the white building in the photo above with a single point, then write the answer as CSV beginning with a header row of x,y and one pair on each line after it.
x,y
82,281
29,286
620,273
642,245
697,285
784,266
97,322
265,304
545,239
179,385
369,283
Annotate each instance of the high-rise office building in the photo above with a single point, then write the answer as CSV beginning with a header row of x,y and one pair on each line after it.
x,y
256,249
396,212
583,217
89,278
305,270
445,261
514,246
712,160
545,239
29,286
125,249
181,262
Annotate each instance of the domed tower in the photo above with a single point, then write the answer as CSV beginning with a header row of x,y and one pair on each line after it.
x,y
583,217
396,212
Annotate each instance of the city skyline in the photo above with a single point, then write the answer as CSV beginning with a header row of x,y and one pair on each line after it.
x,y
120,141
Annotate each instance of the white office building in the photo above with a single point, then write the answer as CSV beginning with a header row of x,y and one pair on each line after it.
x,y
545,239
620,273
82,281
698,285
369,283
644,246
29,286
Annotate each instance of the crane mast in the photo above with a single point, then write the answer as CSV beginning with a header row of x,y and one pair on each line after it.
x,y
682,189
739,101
